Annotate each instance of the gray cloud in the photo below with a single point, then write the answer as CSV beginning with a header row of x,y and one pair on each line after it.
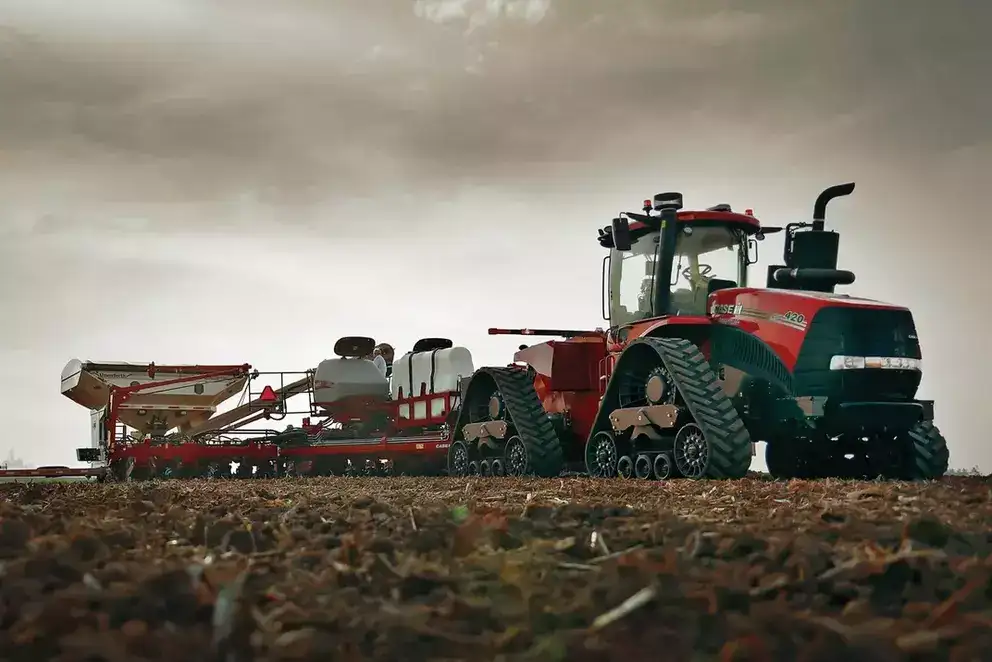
x,y
311,100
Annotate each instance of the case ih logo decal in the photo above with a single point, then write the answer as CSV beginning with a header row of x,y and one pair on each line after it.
x,y
726,309
789,318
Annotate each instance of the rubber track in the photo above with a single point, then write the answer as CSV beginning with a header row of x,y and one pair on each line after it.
x,y
711,409
526,413
929,452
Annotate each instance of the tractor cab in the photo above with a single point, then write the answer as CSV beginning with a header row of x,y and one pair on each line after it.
x,y
667,262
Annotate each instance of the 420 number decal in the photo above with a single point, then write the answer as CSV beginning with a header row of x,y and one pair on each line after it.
x,y
794,317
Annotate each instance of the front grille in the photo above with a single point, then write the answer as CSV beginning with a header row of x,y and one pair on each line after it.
x,y
858,332
884,385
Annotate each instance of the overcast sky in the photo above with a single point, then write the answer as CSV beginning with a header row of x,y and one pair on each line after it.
x,y
241,180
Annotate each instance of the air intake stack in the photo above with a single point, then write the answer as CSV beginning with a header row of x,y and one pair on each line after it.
x,y
810,253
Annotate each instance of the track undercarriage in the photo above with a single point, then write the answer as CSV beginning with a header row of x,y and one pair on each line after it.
x,y
502,428
663,415
672,419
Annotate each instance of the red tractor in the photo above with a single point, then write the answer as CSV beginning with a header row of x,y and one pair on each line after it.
x,y
697,365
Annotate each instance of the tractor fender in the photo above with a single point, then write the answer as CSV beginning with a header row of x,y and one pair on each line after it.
x,y
694,328
732,347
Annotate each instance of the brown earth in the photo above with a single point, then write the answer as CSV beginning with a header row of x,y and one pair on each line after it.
x,y
406,569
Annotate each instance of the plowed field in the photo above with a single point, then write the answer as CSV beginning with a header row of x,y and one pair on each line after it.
x,y
404,569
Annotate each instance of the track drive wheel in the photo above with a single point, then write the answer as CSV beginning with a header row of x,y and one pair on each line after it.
x,y
458,459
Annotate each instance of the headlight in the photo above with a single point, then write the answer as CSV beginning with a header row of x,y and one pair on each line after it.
x,y
875,363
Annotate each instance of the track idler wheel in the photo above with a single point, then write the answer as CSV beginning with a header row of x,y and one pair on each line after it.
x,y
642,467
625,467
458,460
485,469
496,466
662,466
473,468
602,456
515,457
692,453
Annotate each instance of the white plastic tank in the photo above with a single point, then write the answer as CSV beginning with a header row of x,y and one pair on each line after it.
x,y
336,379
433,371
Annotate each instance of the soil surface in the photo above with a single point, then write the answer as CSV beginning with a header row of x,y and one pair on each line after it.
x,y
404,569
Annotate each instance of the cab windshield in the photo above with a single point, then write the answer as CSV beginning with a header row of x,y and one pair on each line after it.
x,y
702,253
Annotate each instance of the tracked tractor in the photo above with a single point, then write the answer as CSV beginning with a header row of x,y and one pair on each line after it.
x,y
697,365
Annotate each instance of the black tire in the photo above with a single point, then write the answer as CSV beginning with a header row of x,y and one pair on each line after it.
x,y
117,471
662,466
643,468
602,456
458,459
625,467
485,469
473,468
497,466
928,455
782,460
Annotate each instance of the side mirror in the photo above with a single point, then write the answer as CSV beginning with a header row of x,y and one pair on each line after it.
x,y
621,234
752,250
